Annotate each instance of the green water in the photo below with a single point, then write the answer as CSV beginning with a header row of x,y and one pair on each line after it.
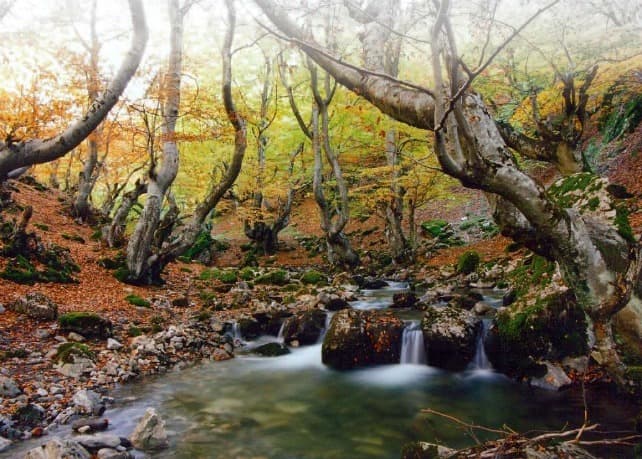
x,y
293,407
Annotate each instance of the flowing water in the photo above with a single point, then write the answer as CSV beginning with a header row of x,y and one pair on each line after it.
x,y
294,407
412,344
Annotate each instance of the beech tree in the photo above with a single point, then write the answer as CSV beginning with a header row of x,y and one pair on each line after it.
x,y
19,154
599,264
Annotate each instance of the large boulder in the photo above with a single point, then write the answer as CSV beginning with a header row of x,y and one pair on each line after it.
x,y
450,336
149,433
58,449
86,324
304,327
88,402
35,305
362,338
525,334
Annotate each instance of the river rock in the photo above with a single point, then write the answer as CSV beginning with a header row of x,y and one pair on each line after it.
x,y
423,450
249,328
29,415
35,305
149,433
331,301
88,402
87,324
8,387
450,336
271,350
554,379
4,444
521,336
78,338
90,425
59,449
113,345
362,338
98,441
108,453
374,284
304,327
404,300
75,370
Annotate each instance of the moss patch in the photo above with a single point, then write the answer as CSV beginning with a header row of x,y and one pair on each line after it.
x,y
137,301
276,277
68,351
468,262
228,276
313,277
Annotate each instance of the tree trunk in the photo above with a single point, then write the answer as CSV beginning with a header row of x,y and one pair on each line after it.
x,y
139,250
180,242
36,151
80,208
399,248
114,233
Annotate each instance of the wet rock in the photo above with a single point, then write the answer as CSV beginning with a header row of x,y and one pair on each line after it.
x,y
220,355
108,453
577,364
87,324
7,429
90,425
465,300
362,338
305,327
149,433
450,337
509,297
374,284
554,379
113,345
35,305
88,402
523,335
483,309
249,328
58,449
423,450
98,441
29,415
331,301
4,444
404,300
8,387
271,350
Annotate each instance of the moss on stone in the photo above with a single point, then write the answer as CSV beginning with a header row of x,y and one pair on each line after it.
x,y
622,223
68,351
434,227
137,301
468,262
275,277
313,277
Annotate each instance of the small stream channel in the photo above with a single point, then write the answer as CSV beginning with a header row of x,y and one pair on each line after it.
x,y
294,407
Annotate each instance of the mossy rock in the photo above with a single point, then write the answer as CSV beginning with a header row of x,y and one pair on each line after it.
x,y
67,352
304,327
137,301
246,274
224,276
468,262
534,272
134,331
275,277
314,277
362,338
434,228
271,350
87,324
550,329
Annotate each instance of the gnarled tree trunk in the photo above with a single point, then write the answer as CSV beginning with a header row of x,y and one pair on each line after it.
x,y
139,250
114,233
470,147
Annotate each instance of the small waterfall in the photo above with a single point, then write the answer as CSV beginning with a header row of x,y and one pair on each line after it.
x,y
480,361
328,319
412,344
279,337
236,335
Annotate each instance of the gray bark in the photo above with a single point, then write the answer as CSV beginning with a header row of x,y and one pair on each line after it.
x,y
36,151
188,233
114,233
81,208
470,147
139,250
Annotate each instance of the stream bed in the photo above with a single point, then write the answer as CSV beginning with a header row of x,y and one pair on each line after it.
x,y
294,407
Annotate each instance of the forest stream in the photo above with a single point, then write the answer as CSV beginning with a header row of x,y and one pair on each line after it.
x,y
294,407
